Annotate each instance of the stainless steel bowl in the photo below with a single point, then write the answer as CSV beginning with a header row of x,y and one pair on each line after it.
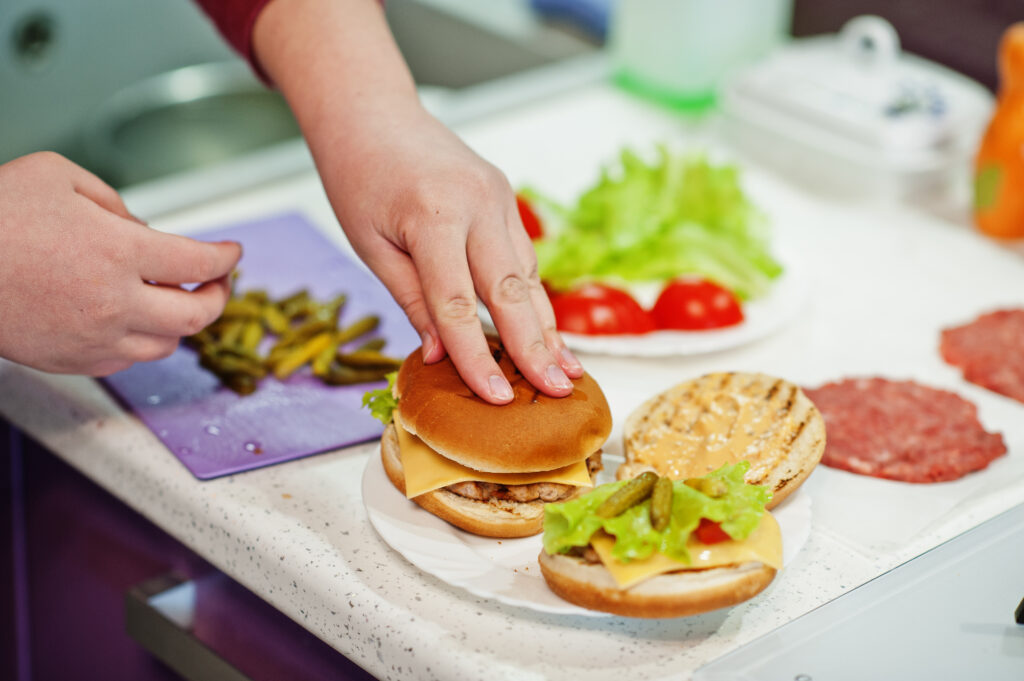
x,y
184,119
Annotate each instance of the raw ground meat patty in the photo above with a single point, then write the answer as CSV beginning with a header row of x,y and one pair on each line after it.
x,y
990,351
902,431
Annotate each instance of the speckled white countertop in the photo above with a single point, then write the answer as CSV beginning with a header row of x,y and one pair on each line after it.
x,y
884,281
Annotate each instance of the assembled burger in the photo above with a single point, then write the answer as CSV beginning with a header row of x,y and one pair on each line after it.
x,y
687,528
655,547
484,468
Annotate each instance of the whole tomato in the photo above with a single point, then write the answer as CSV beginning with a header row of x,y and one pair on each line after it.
x,y
598,309
691,304
530,220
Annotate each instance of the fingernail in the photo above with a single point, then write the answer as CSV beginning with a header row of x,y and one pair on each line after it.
x,y
570,359
500,389
428,344
557,377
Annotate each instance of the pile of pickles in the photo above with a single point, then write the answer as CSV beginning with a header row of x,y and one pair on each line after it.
x,y
304,332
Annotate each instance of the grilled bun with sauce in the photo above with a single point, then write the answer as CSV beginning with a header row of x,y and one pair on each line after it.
x,y
624,566
720,418
491,469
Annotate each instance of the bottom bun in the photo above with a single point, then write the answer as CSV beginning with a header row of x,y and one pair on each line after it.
x,y
676,594
495,518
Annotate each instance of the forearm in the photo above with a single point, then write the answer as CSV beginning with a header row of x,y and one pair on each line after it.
x,y
338,66
434,221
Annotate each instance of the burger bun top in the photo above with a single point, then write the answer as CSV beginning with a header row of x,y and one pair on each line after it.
x,y
534,432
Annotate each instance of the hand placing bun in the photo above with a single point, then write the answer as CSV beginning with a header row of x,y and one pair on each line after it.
x,y
484,468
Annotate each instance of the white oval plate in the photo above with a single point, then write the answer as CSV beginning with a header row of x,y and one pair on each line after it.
x,y
505,570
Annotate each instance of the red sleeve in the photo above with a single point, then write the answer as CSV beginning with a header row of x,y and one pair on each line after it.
x,y
235,19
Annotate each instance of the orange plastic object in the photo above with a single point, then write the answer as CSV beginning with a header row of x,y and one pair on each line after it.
x,y
999,165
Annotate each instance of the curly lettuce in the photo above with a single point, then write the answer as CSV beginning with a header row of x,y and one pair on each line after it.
x,y
643,222
382,402
738,511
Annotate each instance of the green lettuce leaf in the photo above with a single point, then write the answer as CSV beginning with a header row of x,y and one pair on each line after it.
x,y
644,222
572,523
738,510
382,402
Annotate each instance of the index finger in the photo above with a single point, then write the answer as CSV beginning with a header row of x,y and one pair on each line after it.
x,y
171,311
539,297
448,290
502,280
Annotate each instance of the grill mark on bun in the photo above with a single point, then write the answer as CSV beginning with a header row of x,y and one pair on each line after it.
x,y
694,418
789,401
796,432
767,399
661,407
782,483
726,381
769,421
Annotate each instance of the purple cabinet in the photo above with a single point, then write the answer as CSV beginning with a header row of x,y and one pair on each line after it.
x,y
70,553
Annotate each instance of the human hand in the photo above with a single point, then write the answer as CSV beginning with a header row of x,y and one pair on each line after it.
x,y
75,273
433,220
440,227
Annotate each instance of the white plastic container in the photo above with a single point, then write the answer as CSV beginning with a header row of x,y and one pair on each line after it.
x,y
851,114
679,50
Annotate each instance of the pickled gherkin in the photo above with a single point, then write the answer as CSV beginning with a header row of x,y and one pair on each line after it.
x,y
711,487
661,504
376,344
629,495
257,336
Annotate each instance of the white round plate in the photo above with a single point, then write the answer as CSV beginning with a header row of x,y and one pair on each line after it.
x,y
505,570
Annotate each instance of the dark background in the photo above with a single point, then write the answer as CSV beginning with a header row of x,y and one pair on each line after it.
x,y
961,34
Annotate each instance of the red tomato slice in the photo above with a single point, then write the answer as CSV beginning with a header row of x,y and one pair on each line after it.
x,y
692,304
596,309
710,532
530,220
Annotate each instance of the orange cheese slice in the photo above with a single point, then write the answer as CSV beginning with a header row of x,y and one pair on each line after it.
x,y
764,545
426,470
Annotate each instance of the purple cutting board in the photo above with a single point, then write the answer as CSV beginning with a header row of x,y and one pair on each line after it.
x,y
215,432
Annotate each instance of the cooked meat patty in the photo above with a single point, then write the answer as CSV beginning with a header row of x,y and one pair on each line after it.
x,y
543,491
